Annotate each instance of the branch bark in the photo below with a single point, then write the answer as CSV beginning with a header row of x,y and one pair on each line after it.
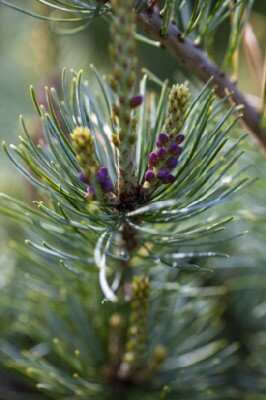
x,y
195,60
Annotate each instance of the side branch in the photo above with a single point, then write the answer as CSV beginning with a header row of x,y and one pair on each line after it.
x,y
194,59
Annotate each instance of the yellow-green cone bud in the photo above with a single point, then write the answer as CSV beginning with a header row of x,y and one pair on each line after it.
x,y
83,143
178,105
137,331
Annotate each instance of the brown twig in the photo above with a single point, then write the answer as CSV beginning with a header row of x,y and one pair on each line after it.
x,y
195,60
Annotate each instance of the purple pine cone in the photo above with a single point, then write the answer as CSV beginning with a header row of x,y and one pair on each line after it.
x,y
162,174
82,177
174,148
162,153
171,178
100,177
153,158
163,137
180,138
107,186
103,170
91,188
149,175
159,144
136,101
172,162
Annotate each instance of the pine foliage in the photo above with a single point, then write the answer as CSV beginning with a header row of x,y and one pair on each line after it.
x,y
105,303
178,217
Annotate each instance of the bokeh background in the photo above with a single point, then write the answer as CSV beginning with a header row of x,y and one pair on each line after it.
x,y
30,53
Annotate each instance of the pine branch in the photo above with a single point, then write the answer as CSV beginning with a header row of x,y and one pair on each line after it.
x,y
175,189
194,59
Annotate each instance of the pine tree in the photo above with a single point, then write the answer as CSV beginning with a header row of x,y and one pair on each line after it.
x,y
132,177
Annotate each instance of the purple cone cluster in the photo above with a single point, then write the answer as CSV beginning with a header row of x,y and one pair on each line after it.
x,y
165,159
101,178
